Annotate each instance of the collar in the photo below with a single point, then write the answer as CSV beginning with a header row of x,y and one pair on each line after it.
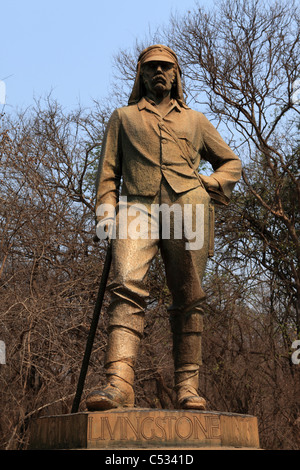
x,y
146,103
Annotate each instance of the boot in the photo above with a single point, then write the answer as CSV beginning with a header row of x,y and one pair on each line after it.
x,y
187,329
119,363
186,385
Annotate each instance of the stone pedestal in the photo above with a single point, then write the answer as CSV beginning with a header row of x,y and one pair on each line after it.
x,y
135,428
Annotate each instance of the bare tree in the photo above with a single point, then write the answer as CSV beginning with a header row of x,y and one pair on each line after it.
x,y
240,60
49,264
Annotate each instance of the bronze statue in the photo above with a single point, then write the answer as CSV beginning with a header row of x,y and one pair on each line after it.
x,y
150,158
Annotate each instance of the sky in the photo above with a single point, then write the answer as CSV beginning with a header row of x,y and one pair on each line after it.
x,y
66,47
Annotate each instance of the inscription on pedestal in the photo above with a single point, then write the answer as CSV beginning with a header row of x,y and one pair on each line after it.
x,y
144,428
148,427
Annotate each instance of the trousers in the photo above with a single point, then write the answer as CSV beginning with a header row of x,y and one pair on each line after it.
x,y
178,226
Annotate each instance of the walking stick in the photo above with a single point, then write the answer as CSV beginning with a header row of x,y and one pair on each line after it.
x,y
93,328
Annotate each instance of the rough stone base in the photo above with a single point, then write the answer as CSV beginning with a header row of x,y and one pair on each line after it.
x,y
136,428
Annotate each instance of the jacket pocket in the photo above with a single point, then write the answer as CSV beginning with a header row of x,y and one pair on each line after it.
x,y
192,153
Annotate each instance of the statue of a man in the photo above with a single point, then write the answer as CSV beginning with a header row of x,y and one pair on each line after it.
x,y
150,156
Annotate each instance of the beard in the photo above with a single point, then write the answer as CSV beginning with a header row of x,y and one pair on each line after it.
x,y
159,80
159,83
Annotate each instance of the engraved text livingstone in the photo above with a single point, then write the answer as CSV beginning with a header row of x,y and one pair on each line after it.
x,y
152,428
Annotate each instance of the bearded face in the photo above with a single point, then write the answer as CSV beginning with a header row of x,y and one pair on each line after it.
x,y
158,74
158,77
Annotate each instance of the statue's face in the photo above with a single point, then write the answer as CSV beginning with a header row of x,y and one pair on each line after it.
x,y
158,77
